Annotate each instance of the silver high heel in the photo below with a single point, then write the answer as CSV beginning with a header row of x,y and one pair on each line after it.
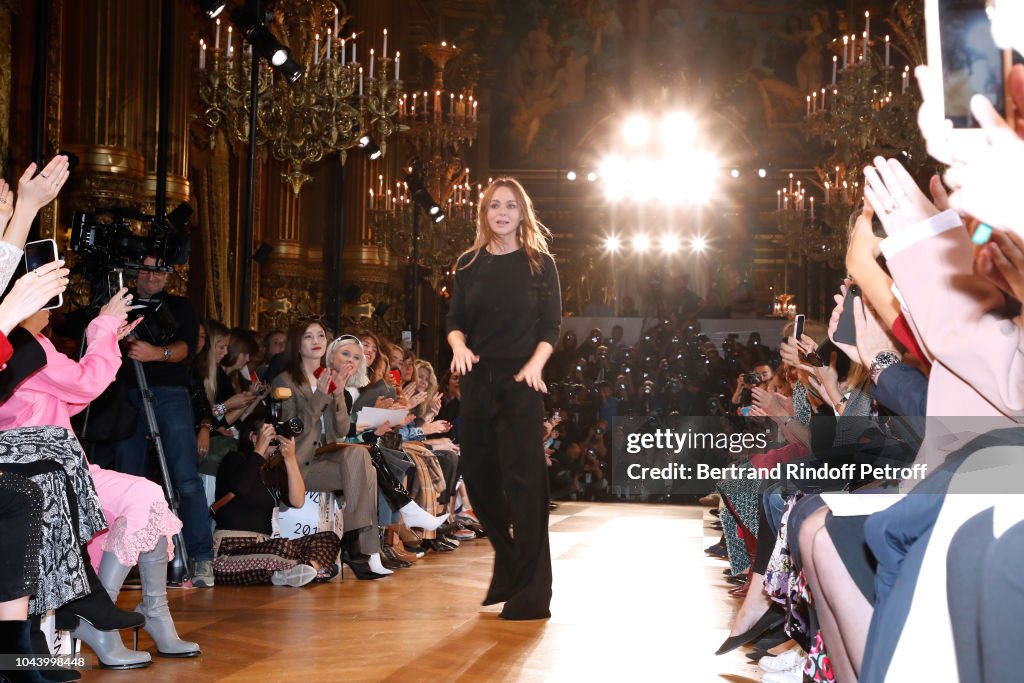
x,y
159,624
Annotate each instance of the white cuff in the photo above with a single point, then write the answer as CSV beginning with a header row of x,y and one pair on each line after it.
x,y
929,227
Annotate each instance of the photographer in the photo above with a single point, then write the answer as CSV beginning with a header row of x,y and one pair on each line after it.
x,y
262,475
761,375
166,369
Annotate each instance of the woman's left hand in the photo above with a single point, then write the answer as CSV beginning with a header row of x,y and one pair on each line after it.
x,y
119,305
531,374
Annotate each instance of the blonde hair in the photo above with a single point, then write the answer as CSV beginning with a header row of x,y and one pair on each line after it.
x,y
421,409
359,378
533,235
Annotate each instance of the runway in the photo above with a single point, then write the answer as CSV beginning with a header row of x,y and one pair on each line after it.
x,y
634,598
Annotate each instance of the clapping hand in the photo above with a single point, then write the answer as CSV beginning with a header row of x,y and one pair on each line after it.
x,y
36,191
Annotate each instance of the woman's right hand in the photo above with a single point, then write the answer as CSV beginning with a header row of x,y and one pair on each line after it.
x,y
436,427
119,305
239,400
287,446
463,360
31,292
263,439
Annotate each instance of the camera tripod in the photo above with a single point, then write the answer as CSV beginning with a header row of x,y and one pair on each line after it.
x,y
177,569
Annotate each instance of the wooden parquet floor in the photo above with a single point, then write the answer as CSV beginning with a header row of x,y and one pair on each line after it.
x,y
635,598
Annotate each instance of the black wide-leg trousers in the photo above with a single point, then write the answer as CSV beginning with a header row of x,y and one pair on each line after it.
x,y
505,471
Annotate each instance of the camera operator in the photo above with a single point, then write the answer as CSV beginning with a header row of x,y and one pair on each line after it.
x,y
166,369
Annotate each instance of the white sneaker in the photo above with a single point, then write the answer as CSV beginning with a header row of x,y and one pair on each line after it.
x,y
202,574
787,660
296,576
794,675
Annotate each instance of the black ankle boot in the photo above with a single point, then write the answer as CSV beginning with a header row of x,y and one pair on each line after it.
x,y
17,635
391,488
96,608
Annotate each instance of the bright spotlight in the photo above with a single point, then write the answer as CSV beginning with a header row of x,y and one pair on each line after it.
x,y
612,244
678,130
615,173
669,243
571,175
591,177
636,130
761,173
699,244
735,173
641,243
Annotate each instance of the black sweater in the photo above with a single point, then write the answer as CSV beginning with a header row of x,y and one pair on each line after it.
x,y
503,309
253,504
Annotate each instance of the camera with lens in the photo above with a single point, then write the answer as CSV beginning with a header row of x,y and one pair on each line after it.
x,y
751,379
289,428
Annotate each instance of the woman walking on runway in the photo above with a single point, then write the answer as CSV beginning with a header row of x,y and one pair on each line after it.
x,y
504,320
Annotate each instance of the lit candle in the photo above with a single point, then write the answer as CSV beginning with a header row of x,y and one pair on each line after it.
x,y
316,49
887,49
778,200
329,41
846,44
814,101
835,64
360,81
414,104
846,194
474,110
451,104
867,23
808,105
335,21
353,48
398,65
202,55
230,46
823,99
385,50
826,192
791,183
371,197
837,176
216,40
864,57
371,63
343,52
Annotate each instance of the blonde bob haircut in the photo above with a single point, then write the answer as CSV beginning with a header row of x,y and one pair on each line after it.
x,y
359,379
534,237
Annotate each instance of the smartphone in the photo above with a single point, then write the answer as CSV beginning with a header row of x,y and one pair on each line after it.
x,y
846,330
38,254
115,282
961,48
798,326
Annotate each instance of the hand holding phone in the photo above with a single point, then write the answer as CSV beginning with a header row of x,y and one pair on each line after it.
x,y
38,254
846,329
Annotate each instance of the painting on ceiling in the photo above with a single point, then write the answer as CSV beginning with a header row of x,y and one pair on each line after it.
x,y
566,70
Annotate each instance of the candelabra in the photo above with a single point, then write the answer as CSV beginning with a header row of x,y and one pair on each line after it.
x,y
342,97
441,124
869,109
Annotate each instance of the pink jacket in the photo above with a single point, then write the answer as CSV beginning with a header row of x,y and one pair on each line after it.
x,y
65,387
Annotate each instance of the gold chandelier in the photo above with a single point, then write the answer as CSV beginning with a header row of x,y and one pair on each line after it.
x,y
349,92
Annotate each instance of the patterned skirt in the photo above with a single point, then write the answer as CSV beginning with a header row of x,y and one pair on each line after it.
x,y
71,509
740,521
245,558
21,514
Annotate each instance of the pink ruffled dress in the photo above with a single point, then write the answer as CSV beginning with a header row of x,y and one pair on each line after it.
x,y
136,510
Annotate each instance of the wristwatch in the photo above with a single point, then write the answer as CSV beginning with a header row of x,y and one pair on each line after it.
x,y
167,353
883,360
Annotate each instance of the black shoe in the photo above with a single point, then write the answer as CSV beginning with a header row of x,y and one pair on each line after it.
x,y
390,560
437,545
717,550
774,637
97,609
768,621
360,569
18,637
757,655
516,612
736,580
715,512
717,526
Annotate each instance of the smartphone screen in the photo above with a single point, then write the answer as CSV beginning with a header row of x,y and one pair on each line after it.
x,y
38,254
798,326
971,62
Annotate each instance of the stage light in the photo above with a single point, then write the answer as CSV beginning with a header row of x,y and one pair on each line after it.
x,y
372,149
698,244
570,176
266,44
641,243
735,173
614,171
434,210
636,130
761,173
212,8
591,177
439,216
612,243
678,130
669,243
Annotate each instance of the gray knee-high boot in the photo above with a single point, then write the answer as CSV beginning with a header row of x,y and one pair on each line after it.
x,y
159,625
107,644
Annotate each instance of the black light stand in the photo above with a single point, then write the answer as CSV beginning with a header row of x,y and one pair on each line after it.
x,y
250,188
